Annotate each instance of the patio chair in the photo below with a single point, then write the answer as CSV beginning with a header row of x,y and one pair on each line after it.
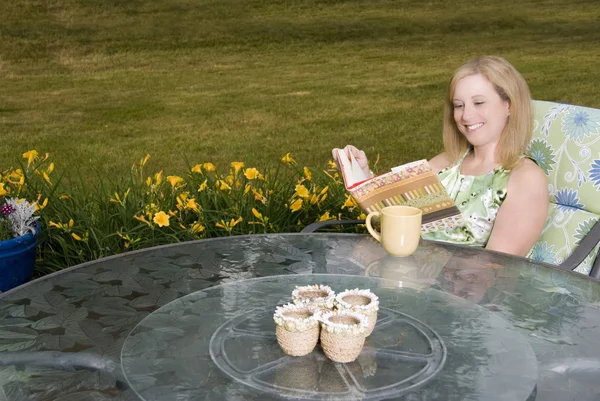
x,y
566,145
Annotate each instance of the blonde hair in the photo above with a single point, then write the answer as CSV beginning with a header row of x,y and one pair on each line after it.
x,y
511,87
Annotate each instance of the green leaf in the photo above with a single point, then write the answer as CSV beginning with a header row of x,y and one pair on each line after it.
x,y
50,302
47,323
20,346
556,290
18,332
157,298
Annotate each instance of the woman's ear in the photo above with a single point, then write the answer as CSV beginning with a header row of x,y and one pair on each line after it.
x,y
507,105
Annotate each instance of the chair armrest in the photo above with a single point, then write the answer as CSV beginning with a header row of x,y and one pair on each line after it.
x,y
595,272
311,228
583,250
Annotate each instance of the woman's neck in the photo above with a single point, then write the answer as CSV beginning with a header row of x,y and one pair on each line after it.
x,y
484,155
481,160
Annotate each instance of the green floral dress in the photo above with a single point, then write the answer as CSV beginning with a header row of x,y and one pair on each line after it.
x,y
478,198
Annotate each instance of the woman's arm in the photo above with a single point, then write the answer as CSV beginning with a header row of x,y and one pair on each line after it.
x,y
523,213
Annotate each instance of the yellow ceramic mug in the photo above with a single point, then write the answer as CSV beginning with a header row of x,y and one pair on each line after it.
x,y
400,229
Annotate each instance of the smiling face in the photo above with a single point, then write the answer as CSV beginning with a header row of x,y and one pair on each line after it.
x,y
479,111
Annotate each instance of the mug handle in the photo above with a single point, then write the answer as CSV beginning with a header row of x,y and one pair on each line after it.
x,y
373,232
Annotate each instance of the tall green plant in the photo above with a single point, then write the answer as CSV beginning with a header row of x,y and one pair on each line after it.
x,y
87,221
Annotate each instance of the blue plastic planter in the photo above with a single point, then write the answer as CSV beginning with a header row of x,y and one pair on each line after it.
x,y
17,260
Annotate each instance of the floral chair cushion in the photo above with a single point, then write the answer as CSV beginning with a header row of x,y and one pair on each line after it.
x,y
566,145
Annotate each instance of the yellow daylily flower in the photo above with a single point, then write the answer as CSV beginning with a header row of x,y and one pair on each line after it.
x,y
325,216
116,199
202,186
182,199
302,191
251,173
128,240
323,194
180,202
145,160
197,169
288,159
331,164
62,226
257,214
46,177
197,228
50,168
209,167
350,202
39,206
237,166
158,178
16,174
362,216
76,237
222,185
192,204
307,173
30,156
258,195
296,205
63,197
228,225
57,225
174,180
2,190
148,181
143,220
247,189
162,219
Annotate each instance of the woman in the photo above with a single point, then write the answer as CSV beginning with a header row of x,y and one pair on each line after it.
x,y
488,123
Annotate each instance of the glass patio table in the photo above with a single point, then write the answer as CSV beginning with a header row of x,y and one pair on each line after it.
x,y
193,321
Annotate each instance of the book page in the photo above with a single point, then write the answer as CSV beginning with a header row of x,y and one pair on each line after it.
x,y
408,165
351,171
357,172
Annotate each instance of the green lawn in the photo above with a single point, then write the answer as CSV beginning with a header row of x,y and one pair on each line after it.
x,y
100,83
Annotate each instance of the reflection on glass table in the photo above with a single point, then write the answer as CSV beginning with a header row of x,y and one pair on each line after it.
x,y
63,335
426,343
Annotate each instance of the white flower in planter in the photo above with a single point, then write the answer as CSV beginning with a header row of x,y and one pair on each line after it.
x,y
20,214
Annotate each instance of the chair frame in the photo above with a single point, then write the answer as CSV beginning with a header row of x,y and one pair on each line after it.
x,y
579,254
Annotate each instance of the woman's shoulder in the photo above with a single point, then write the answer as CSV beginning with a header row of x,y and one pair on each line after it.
x,y
440,162
527,174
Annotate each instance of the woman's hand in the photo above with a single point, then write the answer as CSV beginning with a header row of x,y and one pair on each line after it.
x,y
359,155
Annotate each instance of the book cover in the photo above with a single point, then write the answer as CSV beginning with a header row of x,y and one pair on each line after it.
x,y
412,184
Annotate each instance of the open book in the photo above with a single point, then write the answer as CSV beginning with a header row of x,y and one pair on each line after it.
x,y
412,184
